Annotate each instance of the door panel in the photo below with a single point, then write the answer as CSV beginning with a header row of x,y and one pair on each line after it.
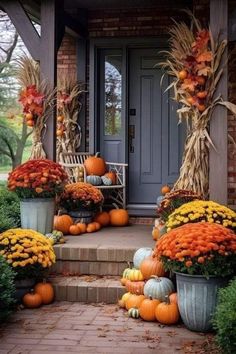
x,y
154,150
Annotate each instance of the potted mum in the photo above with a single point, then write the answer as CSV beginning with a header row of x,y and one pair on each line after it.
x,y
203,256
81,201
29,253
37,183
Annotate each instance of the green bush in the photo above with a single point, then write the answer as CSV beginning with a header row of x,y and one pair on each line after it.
x,y
9,210
7,289
224,320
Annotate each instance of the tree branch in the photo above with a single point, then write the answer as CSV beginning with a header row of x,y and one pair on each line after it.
x,y
11,152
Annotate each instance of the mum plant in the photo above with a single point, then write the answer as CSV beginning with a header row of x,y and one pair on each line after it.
x,y
201,210
173,200
194,62
27,251
198,249
7,289
40,178
81,195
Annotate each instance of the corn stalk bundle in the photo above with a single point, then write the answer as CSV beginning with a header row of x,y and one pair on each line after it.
x,y
38,100
194,62
68,108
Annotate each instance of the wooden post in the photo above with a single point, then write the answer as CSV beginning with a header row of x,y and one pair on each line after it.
x,y
218,174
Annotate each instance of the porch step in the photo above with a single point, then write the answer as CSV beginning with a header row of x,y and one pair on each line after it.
x,y
102,253
89,289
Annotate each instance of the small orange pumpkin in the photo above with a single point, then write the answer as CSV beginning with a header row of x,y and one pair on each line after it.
x,y
32,300
135,287
147,309
165,189
119,217
91,227
112,175
123,281
134,301
167,312
74,230
46,291
95,165
82,227
62,223
152,266
103,218
97,225
155,233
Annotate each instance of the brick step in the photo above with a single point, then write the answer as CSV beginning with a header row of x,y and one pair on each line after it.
x,y
89,289
75,267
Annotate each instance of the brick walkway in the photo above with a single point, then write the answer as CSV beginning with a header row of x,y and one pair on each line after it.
x,y
66,327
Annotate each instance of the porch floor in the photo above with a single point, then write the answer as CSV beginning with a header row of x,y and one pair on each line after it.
x,y
66,327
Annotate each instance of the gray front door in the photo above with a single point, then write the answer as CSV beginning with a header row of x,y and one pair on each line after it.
x,y
154,137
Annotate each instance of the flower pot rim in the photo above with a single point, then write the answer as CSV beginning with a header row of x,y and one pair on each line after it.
x,y
37,199
200,276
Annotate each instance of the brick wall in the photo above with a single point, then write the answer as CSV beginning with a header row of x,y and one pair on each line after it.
x,y
67,57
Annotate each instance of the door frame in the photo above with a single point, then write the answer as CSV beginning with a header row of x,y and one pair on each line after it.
x,y
125,44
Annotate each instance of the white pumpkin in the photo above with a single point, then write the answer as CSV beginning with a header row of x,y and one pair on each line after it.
x,y
140,255
158,288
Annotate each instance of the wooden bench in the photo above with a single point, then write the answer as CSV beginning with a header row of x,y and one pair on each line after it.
x,y
73,163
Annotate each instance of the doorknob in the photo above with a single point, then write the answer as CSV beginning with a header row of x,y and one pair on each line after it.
x,y
131,137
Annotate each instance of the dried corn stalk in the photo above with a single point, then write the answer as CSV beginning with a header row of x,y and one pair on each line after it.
x,y
68,108
194,61
37,99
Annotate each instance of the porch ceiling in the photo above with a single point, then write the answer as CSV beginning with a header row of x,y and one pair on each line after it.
x,y
118,4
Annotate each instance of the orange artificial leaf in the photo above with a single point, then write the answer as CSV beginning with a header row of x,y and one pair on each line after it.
x,y
201,42
206,56
189,85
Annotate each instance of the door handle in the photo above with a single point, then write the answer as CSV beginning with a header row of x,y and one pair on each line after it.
x,y
131,137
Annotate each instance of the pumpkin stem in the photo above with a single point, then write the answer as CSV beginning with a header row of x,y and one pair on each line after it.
x,y
167,299
97,154
155,277
150,297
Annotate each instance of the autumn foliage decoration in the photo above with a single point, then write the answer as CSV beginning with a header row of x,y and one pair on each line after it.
x,y
194,62
37,100
200,249
68,109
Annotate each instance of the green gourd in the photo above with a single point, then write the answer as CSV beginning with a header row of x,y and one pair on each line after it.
x,y
133,312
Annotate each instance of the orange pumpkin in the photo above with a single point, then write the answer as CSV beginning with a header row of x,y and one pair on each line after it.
x,y
134,301
112,175
82,227
151,266
46,291
97,225
95,165
173,298
91,227
123,281
135,287
167,312
74,230
32,300
147,309
119,217
103,218
62,223
121,303
165,189
182,74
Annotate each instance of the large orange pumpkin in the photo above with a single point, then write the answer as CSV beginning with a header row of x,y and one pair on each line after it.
x,y
167,312
134,301
95,165
62,223
119,217
46,291
151,266
103,218
147,309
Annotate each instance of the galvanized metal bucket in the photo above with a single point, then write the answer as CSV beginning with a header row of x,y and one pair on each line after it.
x,y
82,216
197,299
37,214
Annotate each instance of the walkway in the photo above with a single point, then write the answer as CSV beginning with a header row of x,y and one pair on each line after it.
x,y
66,327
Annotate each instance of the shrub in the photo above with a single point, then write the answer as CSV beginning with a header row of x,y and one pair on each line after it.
x,y
7,289
9,210
224,319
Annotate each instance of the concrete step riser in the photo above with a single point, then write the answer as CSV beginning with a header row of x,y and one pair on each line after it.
x,y
89,268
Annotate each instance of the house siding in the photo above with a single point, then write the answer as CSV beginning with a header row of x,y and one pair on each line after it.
x,y
146,23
